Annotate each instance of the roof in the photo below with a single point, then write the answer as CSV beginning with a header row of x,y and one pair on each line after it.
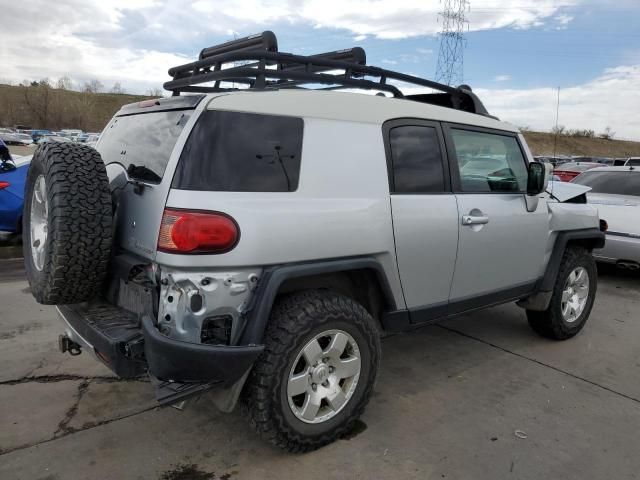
x,y
616,169
344,106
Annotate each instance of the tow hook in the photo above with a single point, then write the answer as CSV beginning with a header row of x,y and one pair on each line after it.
x,y
65,344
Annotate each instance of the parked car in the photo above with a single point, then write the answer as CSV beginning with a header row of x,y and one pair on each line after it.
x,y
615,192
35,134
265,238
10,138
633,162
24,138
568,171
53,138
12,181
92,139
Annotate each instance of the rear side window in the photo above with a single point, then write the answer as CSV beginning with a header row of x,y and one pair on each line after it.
x,y
416,160
241,152
144,140
489,162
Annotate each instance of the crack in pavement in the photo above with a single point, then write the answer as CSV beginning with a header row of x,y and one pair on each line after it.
x,y
73,409
64,377
70,431
64,429
559,370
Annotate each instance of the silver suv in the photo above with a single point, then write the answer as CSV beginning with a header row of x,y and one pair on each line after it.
x,y
254,243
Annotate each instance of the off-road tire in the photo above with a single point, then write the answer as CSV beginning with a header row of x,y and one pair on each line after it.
x,y
79,223
294,320
550,323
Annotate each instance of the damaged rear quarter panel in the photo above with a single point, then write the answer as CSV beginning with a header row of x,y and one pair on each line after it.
x,y
189,297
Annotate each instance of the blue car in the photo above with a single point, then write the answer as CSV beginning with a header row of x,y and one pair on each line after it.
x,y
12,194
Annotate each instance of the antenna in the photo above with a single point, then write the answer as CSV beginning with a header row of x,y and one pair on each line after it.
x,y
555,138
450,57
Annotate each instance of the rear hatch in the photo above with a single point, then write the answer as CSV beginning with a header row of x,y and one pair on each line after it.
x,y
138,147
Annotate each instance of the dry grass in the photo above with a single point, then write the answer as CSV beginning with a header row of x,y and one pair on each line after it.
x,y
543,144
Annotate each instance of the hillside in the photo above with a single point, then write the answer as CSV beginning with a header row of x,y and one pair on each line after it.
x,y
42,106
542,144
45,107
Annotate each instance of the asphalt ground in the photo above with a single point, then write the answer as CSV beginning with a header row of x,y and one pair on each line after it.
x,y
476,397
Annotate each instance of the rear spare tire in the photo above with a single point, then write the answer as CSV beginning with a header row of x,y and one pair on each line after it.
x,y
66,223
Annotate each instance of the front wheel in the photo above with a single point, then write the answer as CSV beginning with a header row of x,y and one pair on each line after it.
x,y
572,299
317,371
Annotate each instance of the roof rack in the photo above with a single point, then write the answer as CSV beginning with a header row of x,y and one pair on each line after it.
x,y
256,63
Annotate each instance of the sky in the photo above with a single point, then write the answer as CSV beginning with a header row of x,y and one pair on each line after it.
x,y
517,52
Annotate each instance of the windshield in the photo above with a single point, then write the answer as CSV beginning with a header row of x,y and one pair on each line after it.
x,y
143,143
617,183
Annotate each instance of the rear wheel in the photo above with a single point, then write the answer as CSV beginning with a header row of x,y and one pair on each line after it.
x,y
572,299
317,372
66,223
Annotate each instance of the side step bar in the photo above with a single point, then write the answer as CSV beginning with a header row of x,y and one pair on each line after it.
x,y
170,393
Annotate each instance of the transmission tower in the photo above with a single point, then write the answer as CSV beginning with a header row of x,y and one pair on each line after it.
x,y
450,56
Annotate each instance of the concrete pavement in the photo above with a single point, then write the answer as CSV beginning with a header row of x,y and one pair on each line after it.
x,y
448,403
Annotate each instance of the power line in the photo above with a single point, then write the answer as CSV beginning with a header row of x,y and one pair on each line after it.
x,y
450,67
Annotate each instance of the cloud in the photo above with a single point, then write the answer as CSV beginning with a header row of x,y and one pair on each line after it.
x,y
395,19
135,41
612,99
502,78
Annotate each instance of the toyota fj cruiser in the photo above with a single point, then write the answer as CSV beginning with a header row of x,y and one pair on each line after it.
x,y
255,238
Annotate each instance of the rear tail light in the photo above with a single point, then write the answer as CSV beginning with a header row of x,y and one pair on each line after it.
x,y
185,231
604,226
4,185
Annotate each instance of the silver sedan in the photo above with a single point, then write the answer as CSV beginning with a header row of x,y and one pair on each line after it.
x,y
615,192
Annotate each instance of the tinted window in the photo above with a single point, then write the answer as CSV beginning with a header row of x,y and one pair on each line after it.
x,y
416,159
489,162
241,152
618,183
633,162
145,140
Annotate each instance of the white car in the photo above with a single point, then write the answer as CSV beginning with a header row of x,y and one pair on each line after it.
x,y
615,191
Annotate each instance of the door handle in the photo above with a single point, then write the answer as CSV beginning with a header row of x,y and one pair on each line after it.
x,y
475,219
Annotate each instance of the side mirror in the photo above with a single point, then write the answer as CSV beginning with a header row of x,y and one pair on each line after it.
x,y
7,166
537,178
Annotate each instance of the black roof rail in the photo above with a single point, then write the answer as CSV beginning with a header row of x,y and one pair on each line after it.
x,y
256,63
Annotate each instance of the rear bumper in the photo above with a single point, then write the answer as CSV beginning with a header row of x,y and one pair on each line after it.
x,y
131,348
195,362
619,247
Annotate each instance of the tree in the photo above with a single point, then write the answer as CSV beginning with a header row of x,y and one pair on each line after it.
x,y
93,86
558,130
117,88
64,83
608,134
37,97
154,92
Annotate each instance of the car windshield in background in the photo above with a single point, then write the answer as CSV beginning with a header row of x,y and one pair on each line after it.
x,y
616,183
143,143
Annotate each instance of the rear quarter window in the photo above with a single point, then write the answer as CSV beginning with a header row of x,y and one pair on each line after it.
x,y
143,140
241,152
